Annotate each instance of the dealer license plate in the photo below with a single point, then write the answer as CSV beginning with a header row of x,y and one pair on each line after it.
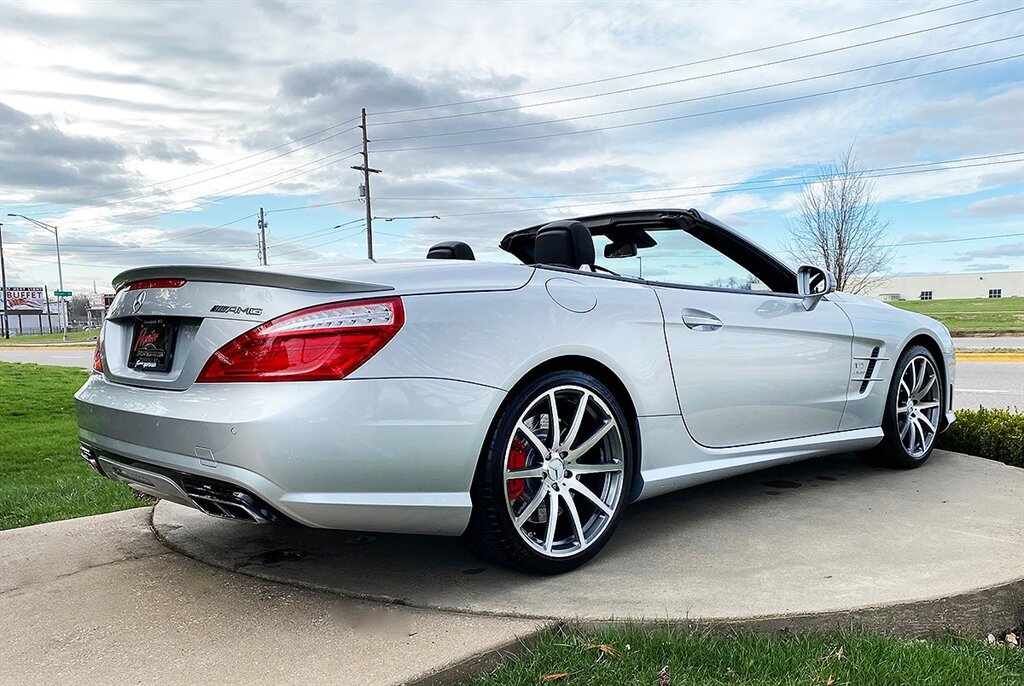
x,y
153,345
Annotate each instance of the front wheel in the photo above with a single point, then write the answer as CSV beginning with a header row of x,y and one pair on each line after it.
x,y
554,477
913,411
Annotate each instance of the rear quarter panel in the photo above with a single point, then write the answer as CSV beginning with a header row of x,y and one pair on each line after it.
x,y
497,338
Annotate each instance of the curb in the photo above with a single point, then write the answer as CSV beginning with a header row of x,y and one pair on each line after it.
x,y
482,662
990,356
975,613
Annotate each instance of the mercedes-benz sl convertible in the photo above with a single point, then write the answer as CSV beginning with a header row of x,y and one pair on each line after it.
x,y
521,406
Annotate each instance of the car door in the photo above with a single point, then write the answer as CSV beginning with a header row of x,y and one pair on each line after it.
x,y
751,363
752,367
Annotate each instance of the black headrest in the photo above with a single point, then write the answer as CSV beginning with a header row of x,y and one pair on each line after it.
x,y
450,250
565,243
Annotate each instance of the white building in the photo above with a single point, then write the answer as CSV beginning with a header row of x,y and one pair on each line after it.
x,y
946,286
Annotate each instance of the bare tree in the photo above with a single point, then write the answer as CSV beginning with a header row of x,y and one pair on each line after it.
x,y
78,306
737,283
839,227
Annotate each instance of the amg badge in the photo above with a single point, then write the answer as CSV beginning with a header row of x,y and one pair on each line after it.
x,y
235,309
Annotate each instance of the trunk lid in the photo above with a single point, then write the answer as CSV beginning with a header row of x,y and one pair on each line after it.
x,y
182,326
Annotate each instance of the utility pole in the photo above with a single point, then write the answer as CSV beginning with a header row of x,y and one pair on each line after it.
x,y
263,239
3,286
367,170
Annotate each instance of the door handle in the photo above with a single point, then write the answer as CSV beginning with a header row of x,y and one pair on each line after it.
x,y
701,321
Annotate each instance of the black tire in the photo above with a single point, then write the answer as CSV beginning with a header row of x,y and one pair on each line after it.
x,y
493,535
892,452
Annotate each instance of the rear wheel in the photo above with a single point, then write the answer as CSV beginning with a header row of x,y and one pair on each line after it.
x,y
554,477
913,411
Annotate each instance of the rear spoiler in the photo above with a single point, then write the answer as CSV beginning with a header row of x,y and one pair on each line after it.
x,y
254,277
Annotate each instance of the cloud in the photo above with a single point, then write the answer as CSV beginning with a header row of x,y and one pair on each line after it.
x,y
1001,206
169,151
124,104
46,164
925,237
1015,250
160,92
988,267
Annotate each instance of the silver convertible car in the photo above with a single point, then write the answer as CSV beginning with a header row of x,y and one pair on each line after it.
x,y
521,406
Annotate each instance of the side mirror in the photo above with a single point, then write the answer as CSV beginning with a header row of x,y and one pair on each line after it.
x,y
813,284
616,250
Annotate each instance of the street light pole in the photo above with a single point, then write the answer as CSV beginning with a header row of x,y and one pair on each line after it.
x,y
5,324
418,216
60,273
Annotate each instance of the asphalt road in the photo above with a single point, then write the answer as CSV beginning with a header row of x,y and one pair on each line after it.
x,y
988,384
62,357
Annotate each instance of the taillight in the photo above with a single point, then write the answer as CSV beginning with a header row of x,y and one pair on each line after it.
x,y
315,344
97,353
155,283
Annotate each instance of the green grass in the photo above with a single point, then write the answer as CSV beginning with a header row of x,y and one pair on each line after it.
x,y
972,316
698,658
73,337
42,477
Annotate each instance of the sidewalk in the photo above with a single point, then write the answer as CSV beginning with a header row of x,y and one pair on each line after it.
x,y
100,600
983,343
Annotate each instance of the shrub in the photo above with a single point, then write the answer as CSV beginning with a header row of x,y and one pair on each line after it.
x,y
993,434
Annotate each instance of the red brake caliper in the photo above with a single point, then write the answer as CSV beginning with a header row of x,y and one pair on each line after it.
x,y
516,460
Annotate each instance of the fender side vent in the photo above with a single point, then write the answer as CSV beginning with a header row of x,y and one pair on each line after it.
x,y
870,370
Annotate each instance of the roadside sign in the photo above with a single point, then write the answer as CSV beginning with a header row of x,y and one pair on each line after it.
x,y
62,294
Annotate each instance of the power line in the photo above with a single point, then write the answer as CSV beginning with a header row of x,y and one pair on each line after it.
x,y
219,196
698,77
165,191
676,66
798,177
202,231
716,192
318,231
80,201
320,245
709,112
113,249
109,264
956,240
559,120
314,205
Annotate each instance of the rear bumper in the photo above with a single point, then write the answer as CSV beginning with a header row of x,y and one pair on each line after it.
x,y
393,455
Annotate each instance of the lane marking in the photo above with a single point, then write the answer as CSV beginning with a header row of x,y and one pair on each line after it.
x,y
976,390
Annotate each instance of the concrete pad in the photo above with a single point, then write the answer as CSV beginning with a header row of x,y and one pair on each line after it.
x,y
99,600
828,535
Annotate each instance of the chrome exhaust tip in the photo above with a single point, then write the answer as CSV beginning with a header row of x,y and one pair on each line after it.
x,y
89,456
227,503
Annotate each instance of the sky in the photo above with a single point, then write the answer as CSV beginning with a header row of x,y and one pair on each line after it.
x,y
152,133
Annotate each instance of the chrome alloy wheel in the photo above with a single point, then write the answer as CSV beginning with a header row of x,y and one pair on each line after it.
x,y
564,471
918,405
